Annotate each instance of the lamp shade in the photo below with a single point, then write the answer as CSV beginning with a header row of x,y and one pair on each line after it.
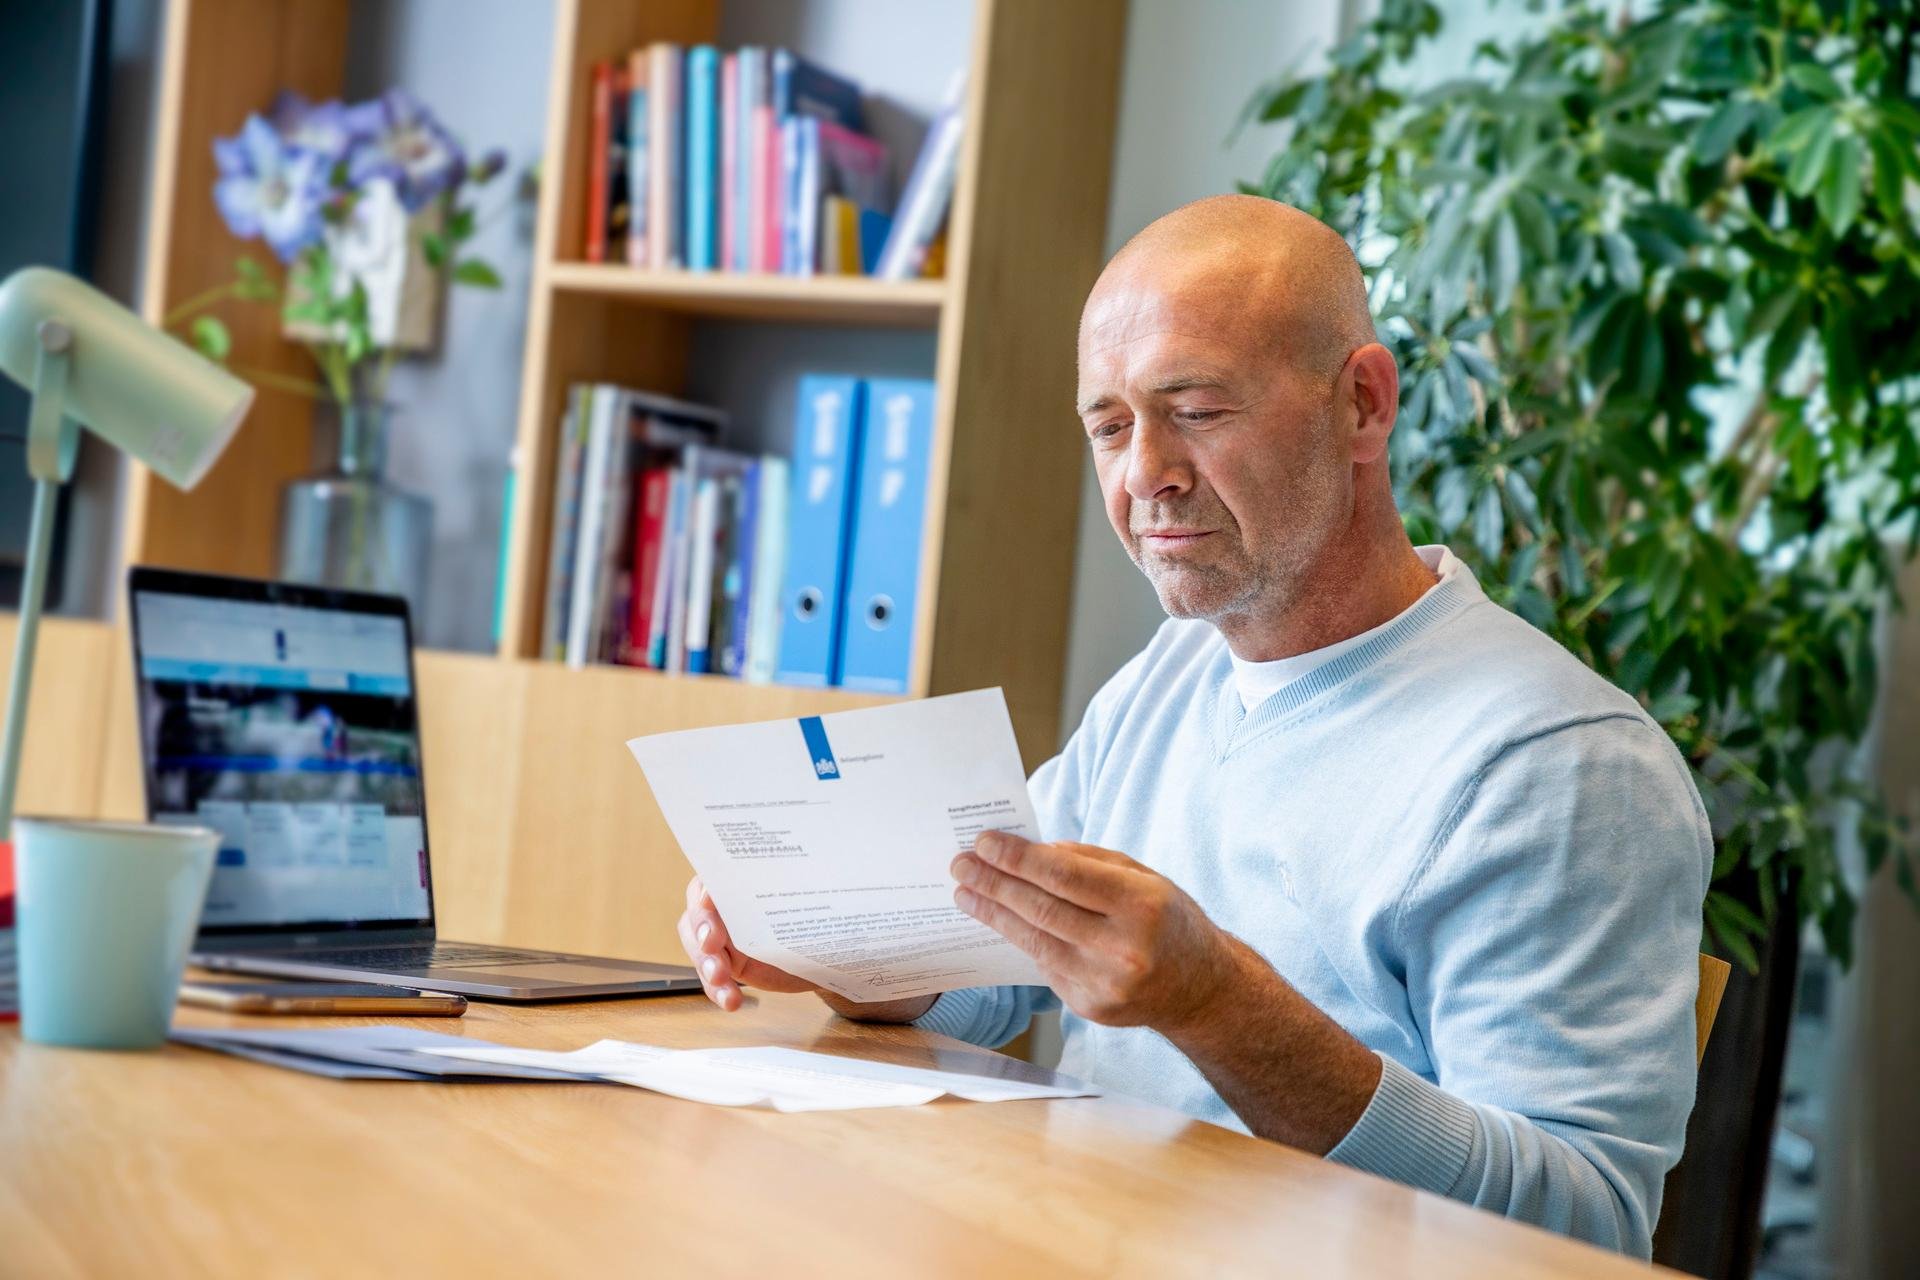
x,y
151,396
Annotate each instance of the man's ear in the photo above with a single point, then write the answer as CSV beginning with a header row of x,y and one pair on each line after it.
x,y
1371,383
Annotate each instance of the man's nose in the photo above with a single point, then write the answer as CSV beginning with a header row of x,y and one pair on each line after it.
x,y
1157,463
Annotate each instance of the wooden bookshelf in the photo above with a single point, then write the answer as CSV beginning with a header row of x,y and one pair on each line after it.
x,y
849,300
543,831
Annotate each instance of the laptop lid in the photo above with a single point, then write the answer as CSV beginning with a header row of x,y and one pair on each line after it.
x,y
284,718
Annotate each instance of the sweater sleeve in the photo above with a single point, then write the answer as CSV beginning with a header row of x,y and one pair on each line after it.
x,y
1549,943
987,1016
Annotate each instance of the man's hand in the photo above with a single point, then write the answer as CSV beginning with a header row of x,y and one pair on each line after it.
x,y
724,971
1120,944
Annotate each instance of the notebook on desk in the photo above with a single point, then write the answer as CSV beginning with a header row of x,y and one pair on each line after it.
x,y
284,718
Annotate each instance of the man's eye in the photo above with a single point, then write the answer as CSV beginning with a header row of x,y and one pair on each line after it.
x,y
1197,415
1107,429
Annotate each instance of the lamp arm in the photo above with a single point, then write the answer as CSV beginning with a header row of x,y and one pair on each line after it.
x,y
52,442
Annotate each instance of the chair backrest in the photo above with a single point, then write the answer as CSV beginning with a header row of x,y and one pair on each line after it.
x,y
1713,985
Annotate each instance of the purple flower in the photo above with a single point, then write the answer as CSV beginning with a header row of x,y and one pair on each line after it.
x,y
268,190
401,140
323,129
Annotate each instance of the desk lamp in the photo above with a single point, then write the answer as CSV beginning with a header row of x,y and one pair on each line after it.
x,y
89,362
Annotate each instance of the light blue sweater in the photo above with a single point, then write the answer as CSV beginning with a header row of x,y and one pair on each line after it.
x,y
1470,851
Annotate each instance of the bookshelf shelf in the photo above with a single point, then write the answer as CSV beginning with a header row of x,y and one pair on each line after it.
x,y
851,300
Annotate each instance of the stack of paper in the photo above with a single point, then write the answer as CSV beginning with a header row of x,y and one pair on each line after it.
x,y
784,1079
361,1053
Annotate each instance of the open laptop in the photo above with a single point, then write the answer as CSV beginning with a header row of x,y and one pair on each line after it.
x,y
284,718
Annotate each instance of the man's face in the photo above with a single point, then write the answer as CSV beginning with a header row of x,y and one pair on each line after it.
x,y
1217,455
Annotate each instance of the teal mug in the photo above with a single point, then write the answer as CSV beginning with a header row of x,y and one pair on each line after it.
x,y
106,916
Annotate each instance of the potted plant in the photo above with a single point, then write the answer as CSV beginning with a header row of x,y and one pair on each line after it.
x,y
368,206
1653,281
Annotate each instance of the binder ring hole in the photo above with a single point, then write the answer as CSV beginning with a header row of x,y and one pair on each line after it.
x,y
879,612
807,603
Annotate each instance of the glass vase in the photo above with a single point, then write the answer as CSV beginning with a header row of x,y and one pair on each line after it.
x,y
346,526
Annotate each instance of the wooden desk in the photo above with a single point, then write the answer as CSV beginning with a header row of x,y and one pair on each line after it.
x,y
185,1162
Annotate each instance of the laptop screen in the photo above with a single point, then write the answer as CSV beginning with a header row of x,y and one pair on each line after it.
x,y
283,718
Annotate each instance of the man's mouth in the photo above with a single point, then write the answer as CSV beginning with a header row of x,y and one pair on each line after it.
x,y
1171,537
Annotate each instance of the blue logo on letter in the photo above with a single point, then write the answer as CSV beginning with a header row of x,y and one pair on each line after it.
x,y
824,765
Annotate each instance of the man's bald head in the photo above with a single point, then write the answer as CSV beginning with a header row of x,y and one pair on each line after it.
x,y
1238,408
1253,264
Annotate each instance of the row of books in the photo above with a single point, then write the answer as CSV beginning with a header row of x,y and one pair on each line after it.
x,y
756,160
673,552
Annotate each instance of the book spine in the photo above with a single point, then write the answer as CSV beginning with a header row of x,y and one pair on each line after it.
x,y
742,543
702,152
767,125
769,571
826,452
752,93
504,548
790,177
875,652
673,535
676,623
565,522
639,162
664,151
597,163
586,549
807,197
706,515
729,156
618,213
649,535
923,206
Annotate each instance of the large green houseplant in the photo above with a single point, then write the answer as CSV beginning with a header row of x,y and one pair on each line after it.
x,y
1653,280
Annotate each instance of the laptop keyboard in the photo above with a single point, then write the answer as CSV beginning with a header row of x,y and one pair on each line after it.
x,y
438,955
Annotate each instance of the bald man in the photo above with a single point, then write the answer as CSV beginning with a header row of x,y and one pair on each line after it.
x,y
1349,857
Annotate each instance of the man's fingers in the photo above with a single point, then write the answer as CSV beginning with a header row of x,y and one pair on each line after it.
x,y
704,938
1043,910
1069,871
1047,950
755,973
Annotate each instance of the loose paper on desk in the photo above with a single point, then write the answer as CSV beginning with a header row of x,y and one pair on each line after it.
x,y
769,1075
826,841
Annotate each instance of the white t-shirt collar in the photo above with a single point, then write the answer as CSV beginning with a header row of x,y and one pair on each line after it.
x,y
1258,681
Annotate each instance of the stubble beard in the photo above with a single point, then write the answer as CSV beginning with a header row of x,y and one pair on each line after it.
x,y
1234,583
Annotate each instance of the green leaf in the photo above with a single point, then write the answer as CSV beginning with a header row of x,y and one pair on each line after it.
x,y
1811,160
475,272
1720,130
1798,129
1816,80
1889,174
1489,522
1285,101
1505,252
211,339
1451,497
1838,195
460,225
434,245
1623,261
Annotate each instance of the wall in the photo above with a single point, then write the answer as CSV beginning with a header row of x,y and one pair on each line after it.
x,y
482,66
1191,66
